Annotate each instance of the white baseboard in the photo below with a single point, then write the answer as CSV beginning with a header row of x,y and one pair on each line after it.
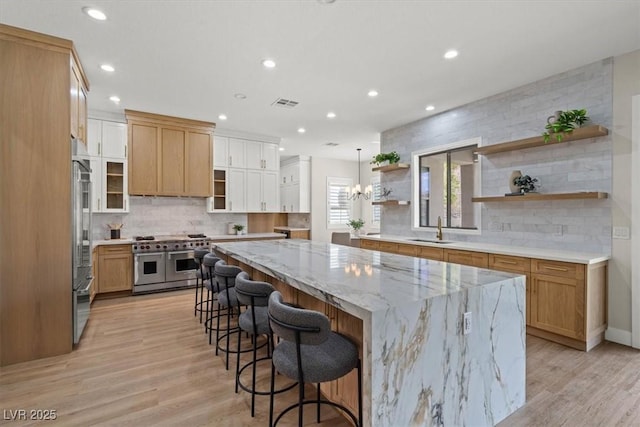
x,y
619,336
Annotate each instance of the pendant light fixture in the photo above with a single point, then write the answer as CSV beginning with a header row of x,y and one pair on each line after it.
x,y
356,192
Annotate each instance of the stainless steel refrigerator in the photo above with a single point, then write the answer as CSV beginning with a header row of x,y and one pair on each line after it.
x,y
81,226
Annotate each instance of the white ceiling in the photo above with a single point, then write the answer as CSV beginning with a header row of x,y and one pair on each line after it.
x,y
188,58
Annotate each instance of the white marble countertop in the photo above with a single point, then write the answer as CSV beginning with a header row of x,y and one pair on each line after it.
x,y
548,254
359,281
211,238
291,228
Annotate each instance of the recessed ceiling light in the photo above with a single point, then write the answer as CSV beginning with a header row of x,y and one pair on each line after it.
x,y
269,63
107,67
281,148
114,99
240,96
375,142
222,117
373,93
301,130
331,115
450,54
95,13
430,108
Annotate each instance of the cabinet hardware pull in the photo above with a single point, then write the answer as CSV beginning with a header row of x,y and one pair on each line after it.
x,y
125,151
548,267
125,204
98,204
230,160
99,144
291,208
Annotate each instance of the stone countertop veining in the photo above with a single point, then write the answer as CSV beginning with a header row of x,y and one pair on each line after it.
x,y
547,254
356,280
211,238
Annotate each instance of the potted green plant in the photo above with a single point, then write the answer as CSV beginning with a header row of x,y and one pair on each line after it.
x,y
238,228
563,122
392,157
356,225
525,183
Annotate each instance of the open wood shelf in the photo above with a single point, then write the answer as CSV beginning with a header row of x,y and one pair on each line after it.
x,y
538,141
392,202
542,196
391,167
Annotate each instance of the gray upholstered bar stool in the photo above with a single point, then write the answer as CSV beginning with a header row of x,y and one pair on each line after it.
x,y
310,352
226,276
255,321
202,274
211,284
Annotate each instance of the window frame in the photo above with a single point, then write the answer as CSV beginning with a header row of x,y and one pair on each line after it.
x,y
415,185
343,182
375,197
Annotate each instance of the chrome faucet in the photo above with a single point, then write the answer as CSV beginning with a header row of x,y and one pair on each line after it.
x,y
439,232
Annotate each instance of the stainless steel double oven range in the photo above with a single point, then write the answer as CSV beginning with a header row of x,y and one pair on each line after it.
x,y
165,262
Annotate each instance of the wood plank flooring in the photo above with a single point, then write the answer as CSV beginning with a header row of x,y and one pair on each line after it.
x,y
145,361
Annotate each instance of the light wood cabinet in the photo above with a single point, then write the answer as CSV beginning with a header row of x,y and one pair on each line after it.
x,y
514,264
36,123
169,156
78,106
474,259
115,268
565,302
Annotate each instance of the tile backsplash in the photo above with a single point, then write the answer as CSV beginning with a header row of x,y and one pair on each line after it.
x,y
165,215
580,225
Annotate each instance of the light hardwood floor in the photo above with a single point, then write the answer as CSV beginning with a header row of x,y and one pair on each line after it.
x,y
145,361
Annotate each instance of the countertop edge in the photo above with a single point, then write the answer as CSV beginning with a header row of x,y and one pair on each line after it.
x,y
538,253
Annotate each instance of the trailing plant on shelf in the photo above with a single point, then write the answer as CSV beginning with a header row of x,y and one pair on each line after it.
x,y
526,183
563,122
392,157
356,224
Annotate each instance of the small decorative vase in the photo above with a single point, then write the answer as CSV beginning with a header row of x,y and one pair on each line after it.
x,y
513,187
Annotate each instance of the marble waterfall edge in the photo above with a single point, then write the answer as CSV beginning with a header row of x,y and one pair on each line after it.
x,y
427,372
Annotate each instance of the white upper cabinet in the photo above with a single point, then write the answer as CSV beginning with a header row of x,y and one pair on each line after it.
x,y
295,185
94,137
262,155
237,182
254,154
106,139
114,140
237,153
271,156
220,152
262,191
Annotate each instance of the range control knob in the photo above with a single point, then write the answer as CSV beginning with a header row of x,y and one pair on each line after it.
x,y
184,246
164,247
177,246
135,248
158,246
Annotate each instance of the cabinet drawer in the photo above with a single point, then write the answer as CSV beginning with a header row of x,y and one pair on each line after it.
x,y
431,253
389,247
411,250
114,249
369,244
474,259
509,263
558,268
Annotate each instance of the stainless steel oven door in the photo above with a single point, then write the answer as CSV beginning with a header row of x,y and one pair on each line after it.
x,y
181,265
149,268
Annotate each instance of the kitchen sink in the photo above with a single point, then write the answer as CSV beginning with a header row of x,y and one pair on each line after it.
x,y
443,242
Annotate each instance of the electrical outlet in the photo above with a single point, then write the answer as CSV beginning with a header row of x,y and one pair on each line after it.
x,y
621,232
466,323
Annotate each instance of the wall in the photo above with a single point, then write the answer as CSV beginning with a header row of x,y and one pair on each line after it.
x,y
321,169
581,225
166,215
626,84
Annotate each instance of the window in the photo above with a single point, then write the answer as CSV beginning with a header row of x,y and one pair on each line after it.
x,y
376,193
338,204
445,181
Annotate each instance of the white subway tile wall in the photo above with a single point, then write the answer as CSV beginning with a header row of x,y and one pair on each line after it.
x,y
166,215
581,225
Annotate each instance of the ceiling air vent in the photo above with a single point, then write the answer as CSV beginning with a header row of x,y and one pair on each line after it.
x,y
284,103
331,144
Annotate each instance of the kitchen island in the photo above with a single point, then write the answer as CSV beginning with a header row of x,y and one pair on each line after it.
x,y
406,314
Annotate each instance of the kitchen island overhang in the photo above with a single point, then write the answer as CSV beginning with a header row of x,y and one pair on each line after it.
x,y
419,366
